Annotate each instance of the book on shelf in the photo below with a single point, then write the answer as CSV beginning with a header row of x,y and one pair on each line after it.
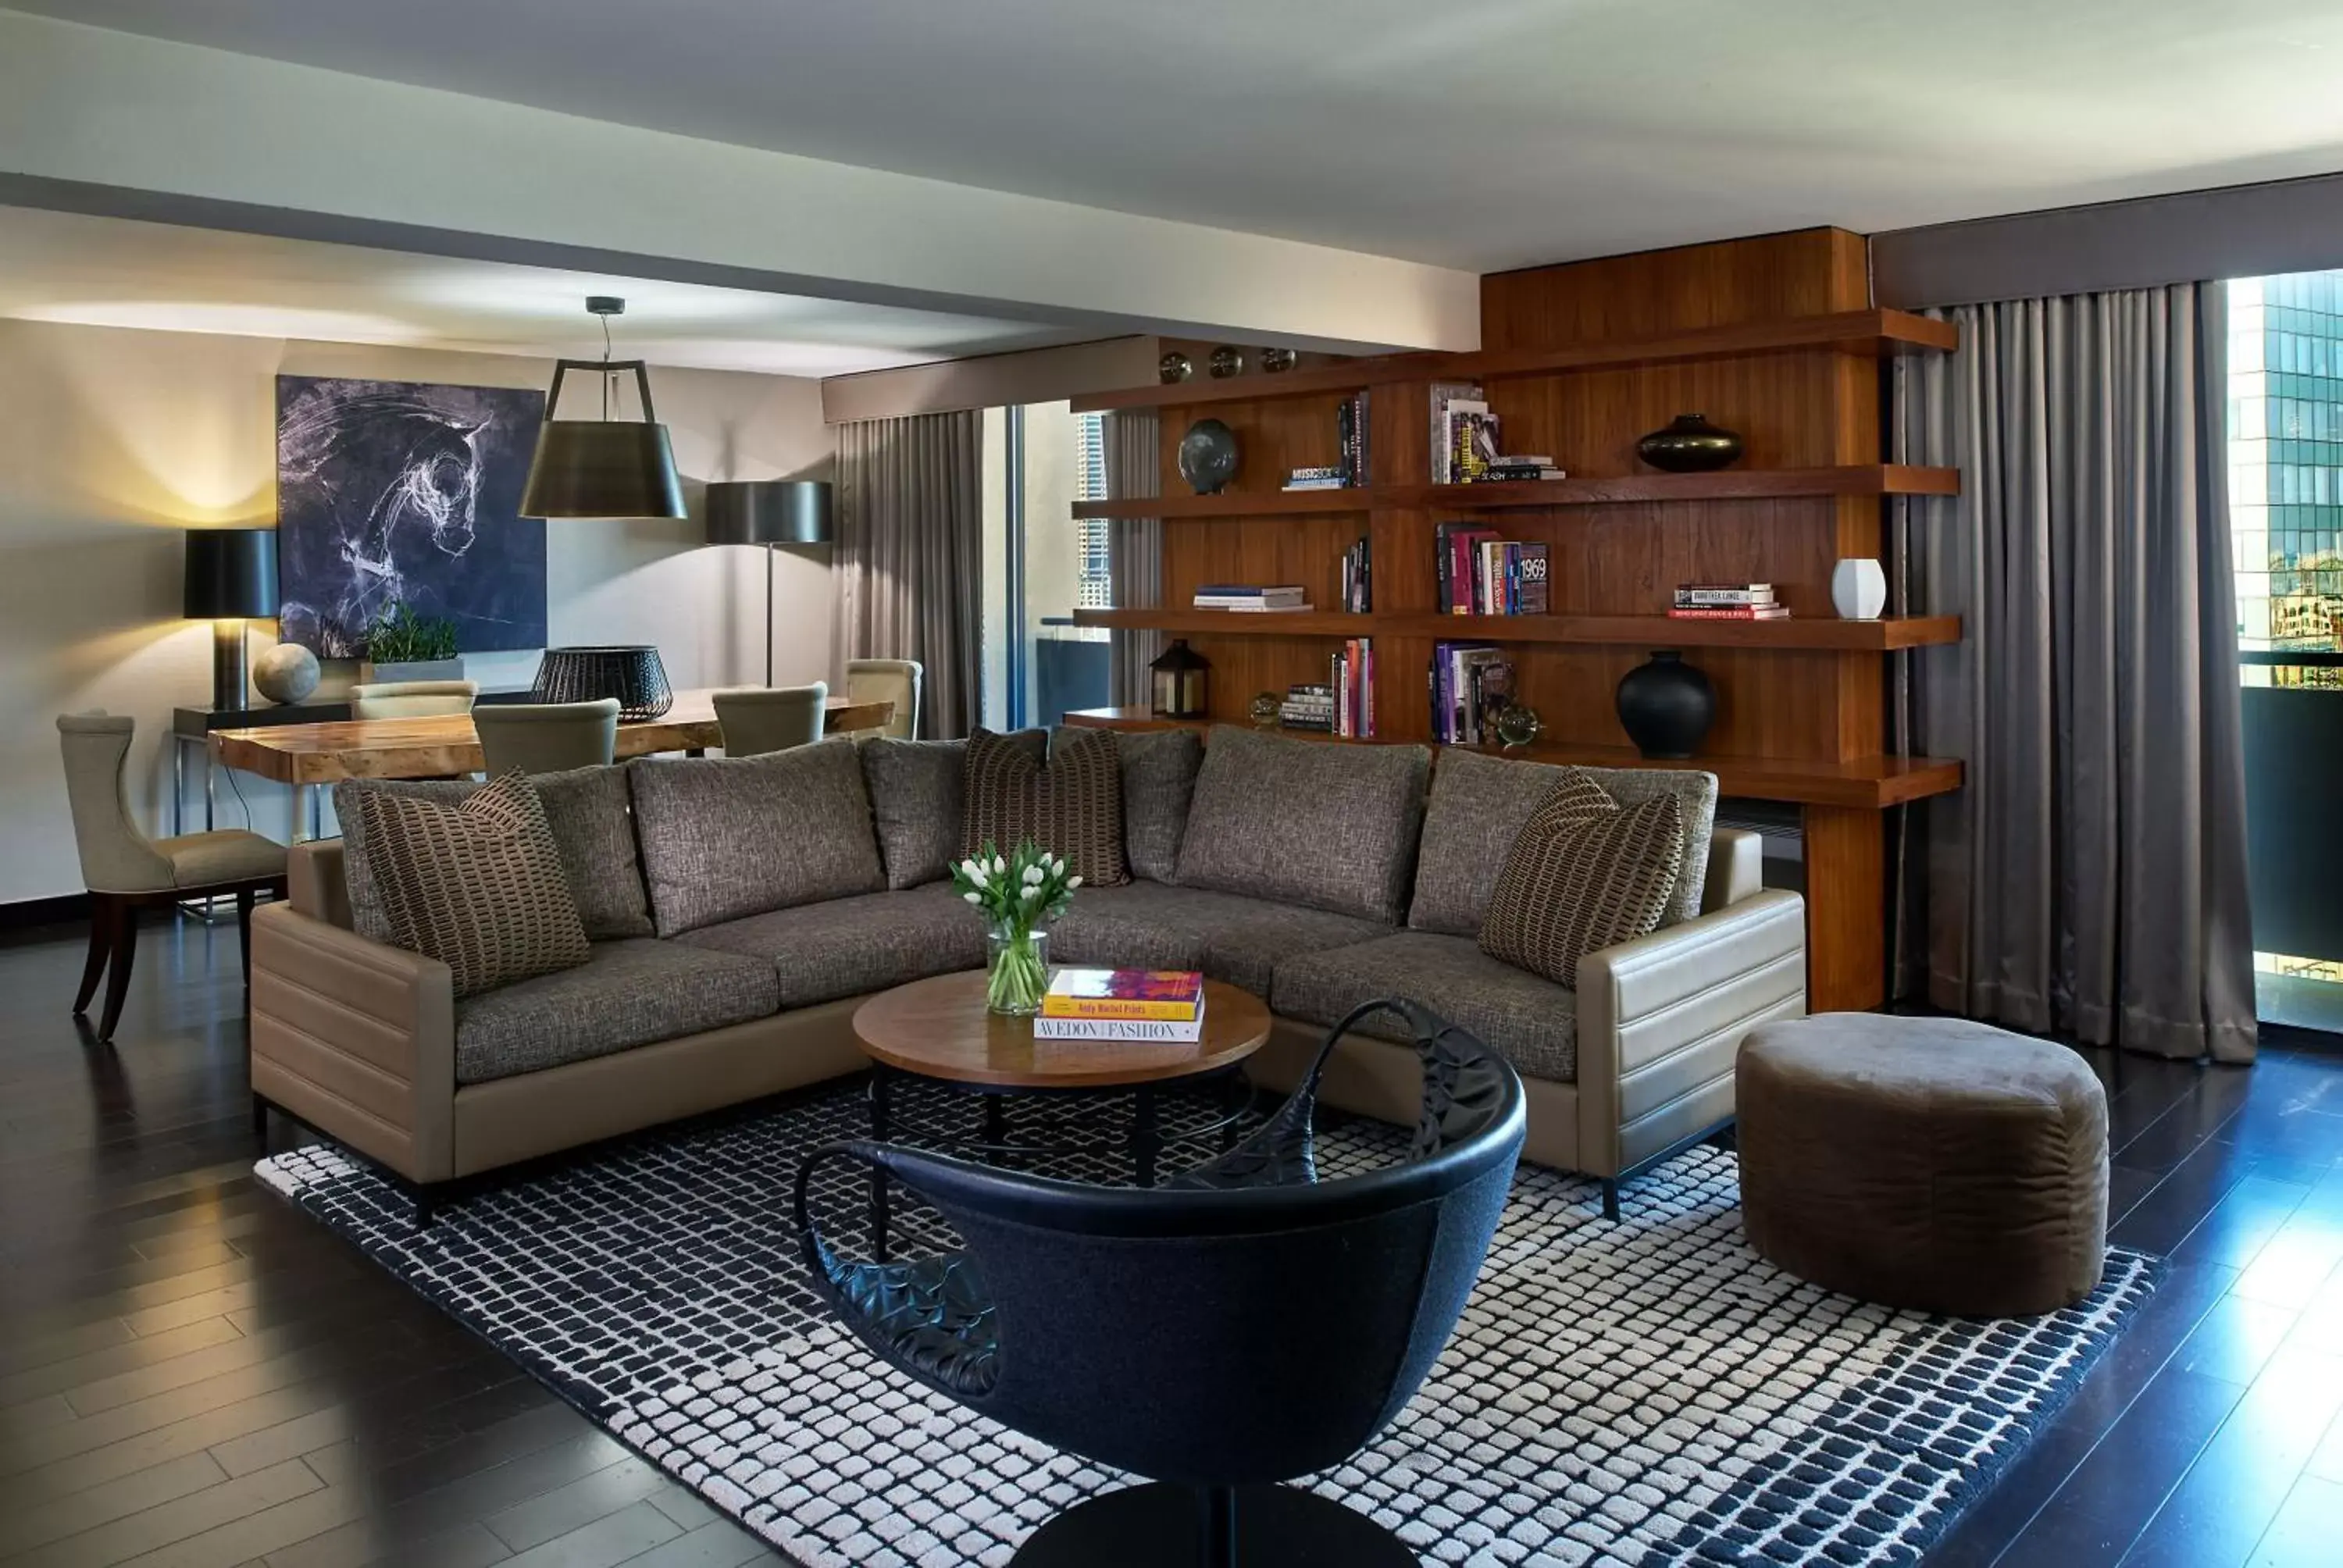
x,y
1444,393
1478,572
1507,471
1350,427
1166,1031
1260,607
1470,682
1352,676
1358,578
1292,485
1164,995
1690,595
1242,597
1318,471
1472,440
1729,612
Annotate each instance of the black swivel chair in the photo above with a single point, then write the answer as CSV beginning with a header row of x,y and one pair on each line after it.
x,y
1241,1325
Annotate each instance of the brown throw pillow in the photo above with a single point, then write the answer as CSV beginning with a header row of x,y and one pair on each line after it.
x,y
1582,875
1071,804
478,886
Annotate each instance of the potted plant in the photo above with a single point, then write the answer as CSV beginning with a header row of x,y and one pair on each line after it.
x,y
1017,894
404,645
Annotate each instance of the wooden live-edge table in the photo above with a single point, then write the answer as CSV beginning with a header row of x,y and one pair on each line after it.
x,y
308,756
941,1030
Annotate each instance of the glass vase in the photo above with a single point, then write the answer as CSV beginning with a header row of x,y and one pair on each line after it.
x,y
1016,970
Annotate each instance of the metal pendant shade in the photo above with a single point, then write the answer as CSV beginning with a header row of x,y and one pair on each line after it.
x,y
603,468
768,512
230,575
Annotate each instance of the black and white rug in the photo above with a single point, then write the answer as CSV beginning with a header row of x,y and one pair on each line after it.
x,y
1617,1395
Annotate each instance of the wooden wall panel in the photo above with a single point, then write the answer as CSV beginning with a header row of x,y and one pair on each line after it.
x,y
1810,272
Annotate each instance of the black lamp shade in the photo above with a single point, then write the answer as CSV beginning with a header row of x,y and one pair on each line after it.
x,y
631,673
768,512
602,468
231,575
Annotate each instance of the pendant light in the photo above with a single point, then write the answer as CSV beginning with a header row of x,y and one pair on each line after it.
x,y
602,468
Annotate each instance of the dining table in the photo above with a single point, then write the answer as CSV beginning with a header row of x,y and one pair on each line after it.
x,y
312,758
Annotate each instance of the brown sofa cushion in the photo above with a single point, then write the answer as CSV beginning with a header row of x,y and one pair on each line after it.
x,y
1237,940
478,886
849,947
1306,822
592,820
626,994
1159,783
918,791
1526,1019
1479,804
733,836
1071,803
1584,874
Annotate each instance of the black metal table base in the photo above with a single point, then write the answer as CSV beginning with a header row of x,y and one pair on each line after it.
x,y
1160,1525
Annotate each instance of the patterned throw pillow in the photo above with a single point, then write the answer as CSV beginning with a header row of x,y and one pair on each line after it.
x,y
1582,875
1071,804
478,886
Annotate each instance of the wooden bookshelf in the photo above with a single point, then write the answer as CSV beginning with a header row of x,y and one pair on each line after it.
x,y
1732,484
1821,633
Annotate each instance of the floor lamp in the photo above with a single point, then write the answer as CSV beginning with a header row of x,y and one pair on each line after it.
x,y
768,512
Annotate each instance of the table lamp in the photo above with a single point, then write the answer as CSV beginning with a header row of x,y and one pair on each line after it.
x,y
230,578
768,512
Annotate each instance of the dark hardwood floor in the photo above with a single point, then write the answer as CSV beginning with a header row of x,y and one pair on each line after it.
x,y
193,1374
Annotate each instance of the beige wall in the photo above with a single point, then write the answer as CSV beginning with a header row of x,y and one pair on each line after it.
x,y
112,442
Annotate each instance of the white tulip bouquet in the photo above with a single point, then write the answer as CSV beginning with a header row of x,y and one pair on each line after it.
x,y
1017,894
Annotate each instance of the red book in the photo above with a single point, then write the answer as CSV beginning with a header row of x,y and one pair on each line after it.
x,y
1172,995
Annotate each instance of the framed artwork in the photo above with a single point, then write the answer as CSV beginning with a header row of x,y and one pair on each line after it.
x,y
391,493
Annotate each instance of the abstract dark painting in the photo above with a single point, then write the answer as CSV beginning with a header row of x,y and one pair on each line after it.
x,y
390,493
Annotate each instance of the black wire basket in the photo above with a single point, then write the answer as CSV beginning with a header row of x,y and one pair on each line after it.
x,y
631,674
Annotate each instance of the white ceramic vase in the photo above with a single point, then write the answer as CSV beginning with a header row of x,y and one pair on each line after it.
x,y
1858,589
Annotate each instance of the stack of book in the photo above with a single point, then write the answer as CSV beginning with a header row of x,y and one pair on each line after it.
x,y
1351,432
1480,572
1336,478
1352,676
1358,578
1727,601
1308,707
1455,404
1511,467
1246,599
1470,682
1122,1004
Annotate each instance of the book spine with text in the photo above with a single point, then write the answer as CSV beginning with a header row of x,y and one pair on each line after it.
x,y
1126,1028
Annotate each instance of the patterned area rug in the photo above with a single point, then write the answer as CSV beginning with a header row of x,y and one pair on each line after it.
x,y
1618,1395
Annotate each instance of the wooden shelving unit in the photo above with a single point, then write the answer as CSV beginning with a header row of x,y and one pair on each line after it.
x,y
1882,636
1619,490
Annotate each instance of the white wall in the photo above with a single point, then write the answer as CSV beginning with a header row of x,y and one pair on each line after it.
x,y
112,442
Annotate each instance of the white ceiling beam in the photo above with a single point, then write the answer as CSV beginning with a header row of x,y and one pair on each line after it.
x,y
137,126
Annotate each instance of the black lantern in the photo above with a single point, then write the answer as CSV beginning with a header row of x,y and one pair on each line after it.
x,y
1179,685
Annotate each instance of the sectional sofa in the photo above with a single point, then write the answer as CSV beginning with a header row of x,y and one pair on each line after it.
x,y
742,909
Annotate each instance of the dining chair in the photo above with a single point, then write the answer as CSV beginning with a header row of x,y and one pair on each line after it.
x,y
412,698
770,718
125,871
895,680
545,737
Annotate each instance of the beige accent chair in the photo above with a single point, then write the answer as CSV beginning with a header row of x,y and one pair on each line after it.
x,y
895,680
545,737
770,718
126,872
413,698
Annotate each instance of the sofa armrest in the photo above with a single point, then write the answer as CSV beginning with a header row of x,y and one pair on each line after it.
x,y
1661,1019
1737,867
357,1039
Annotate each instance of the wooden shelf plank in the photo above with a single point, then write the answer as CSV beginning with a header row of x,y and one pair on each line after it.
x,y
1827,634
1866,783
1732,484
1867,332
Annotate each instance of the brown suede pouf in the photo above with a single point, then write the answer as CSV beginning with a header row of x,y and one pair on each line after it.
x,y
1923,1162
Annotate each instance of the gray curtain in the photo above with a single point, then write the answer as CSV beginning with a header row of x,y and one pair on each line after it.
x,y
909,555
2089,879
1134,547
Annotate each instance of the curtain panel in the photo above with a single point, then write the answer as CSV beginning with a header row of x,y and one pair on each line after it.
x,y
1134,548
909,560
2089,877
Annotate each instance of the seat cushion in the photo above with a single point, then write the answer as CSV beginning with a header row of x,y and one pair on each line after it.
x,y
1531,1022
819,952
1159,783
1480,803
226,855
1069,803
1331,826
636,991
733,836
1234,939
917,795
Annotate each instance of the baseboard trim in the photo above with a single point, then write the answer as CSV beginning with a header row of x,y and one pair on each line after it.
x,y
60,910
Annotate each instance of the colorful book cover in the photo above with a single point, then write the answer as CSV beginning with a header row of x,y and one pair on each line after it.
x,y
1169,1032
1102,993
1535,598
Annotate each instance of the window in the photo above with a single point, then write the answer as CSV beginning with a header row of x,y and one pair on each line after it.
x,y
1042,563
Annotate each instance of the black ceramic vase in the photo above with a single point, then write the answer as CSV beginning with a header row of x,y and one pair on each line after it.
x,y
1690,445
1667,706
1208,455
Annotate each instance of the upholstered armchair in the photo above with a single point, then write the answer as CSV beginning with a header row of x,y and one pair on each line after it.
x,y
771,719
895,680
545,737
1248,1323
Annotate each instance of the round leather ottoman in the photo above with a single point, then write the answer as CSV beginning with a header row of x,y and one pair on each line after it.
x,y
1924,1162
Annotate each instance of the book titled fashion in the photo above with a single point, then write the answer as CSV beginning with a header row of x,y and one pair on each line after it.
x,y
1174,996
1166,1031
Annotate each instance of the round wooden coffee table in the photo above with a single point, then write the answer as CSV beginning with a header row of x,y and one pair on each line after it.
x,y
941,1030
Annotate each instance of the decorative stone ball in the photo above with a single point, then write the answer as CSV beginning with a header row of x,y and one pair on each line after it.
x,y
285,673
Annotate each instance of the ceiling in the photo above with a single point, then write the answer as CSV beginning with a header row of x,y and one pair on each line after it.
x,y
113,272
1480,134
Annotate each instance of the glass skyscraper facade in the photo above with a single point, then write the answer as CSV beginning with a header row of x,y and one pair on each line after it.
x,y
1095,585
2285,467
